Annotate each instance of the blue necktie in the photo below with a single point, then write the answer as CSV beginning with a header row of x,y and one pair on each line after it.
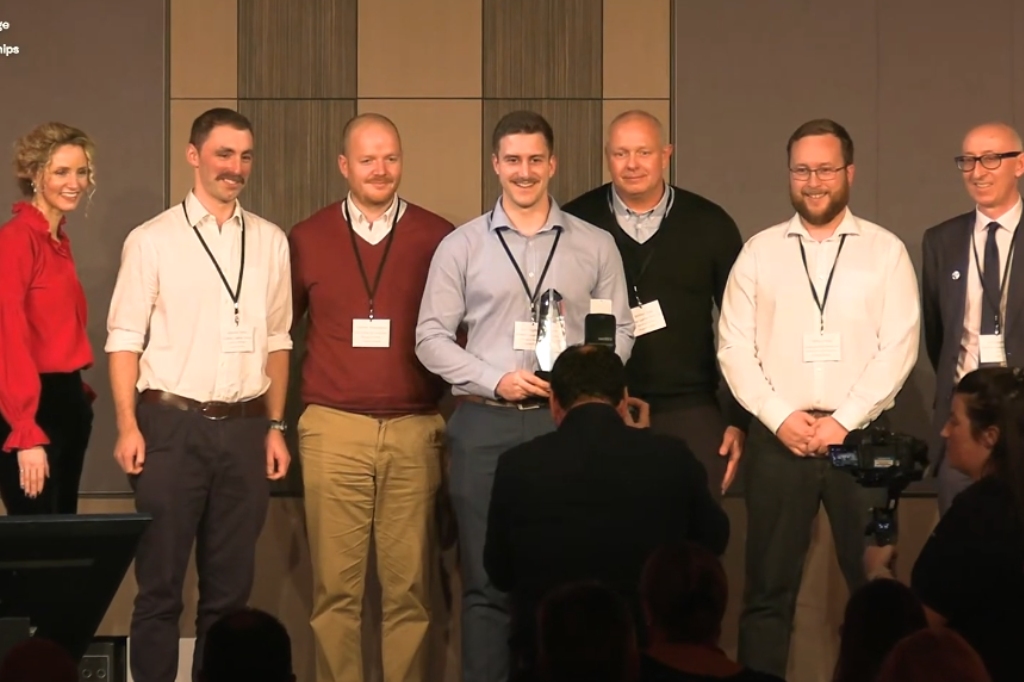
x,y
990,279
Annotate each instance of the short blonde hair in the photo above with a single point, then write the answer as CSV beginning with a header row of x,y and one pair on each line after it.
x,y
32,153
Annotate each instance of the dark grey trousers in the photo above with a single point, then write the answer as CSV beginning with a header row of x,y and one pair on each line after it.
x,y
204,482
783,494
702,427
477,435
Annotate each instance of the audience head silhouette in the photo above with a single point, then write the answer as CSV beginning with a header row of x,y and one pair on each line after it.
x,y
587,374
878,615
586,635
684,592
933,655
247,646
37,659
985,431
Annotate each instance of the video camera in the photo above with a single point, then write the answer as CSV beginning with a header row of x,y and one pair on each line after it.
x,y
879,458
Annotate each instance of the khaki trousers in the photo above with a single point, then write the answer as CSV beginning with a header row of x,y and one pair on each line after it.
x,y
366,475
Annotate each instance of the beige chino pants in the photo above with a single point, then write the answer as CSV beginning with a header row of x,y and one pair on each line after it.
x,y
363,476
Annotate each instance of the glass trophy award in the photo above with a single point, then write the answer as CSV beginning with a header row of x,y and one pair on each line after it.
x,y
550,331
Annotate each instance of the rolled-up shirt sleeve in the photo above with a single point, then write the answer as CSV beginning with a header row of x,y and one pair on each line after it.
x,y
279,297
135,293
19,379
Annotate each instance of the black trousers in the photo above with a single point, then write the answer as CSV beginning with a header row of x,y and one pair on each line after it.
x,y
204,482
65,416
783,494
702,426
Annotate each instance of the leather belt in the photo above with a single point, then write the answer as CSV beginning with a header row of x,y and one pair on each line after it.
x,y
213,410
821,413
528,404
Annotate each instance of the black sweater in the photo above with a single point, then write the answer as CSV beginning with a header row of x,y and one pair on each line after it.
x,y
693,252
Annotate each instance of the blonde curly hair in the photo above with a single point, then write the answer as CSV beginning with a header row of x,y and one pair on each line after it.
x,y
32,153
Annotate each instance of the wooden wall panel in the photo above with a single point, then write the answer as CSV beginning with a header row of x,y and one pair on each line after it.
x,y
204,49
546,49
578,136
297,49
297,144
637,49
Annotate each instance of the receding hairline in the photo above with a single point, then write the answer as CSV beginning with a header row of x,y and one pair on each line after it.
x,y
638,115
994,126
361,120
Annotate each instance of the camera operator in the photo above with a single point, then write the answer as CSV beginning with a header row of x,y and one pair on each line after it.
x,y
970,574
820,327
593,499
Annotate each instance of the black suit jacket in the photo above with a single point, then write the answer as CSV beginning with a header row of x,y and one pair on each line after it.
x,y
946,255
592,500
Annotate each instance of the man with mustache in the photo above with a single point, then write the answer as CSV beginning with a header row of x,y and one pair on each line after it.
x,y
370,435
971,299
678,248
198,339
818,332
487,277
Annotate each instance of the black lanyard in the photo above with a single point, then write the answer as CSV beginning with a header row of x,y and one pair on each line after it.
x,y
237,293
522,278
637,274
997,305
828,285
383,259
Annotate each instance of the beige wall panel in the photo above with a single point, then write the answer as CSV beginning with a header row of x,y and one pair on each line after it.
x,y
402,52
637,49
204,49
611,108
183,112
441,146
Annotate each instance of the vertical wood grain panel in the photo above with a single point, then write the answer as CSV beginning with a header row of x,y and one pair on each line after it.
x,y
542,49
297,49
637,55
297,143
577,127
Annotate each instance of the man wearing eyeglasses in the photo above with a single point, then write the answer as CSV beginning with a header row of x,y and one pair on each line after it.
x,y
820,327
971,304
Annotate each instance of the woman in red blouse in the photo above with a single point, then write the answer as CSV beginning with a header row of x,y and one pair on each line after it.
x,y
45,409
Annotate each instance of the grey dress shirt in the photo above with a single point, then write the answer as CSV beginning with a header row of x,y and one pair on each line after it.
x,y
472,282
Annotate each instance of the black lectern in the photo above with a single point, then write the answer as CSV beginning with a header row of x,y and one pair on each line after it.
x,y
58,574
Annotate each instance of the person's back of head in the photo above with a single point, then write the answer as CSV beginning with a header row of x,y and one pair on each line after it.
x,y
933,655
586,635
248,645
877,616
684,592
587,374
38,660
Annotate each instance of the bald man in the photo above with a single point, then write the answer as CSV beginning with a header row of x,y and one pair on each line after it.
x,y
972,281
678,249
370,435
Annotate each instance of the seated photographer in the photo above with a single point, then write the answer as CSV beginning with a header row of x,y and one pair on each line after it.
x,y
593,499
970,573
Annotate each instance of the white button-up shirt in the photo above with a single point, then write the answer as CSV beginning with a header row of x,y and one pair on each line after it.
x,y
768,308
168,288
374,231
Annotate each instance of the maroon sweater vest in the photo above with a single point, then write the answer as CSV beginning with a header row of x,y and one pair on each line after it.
x,y
327,283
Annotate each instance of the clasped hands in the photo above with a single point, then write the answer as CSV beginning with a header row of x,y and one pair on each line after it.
x,y
808,436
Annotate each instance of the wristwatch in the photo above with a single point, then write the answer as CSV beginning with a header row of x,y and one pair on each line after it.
x,y
279,425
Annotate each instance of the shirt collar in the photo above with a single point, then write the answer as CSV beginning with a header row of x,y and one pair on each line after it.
x,y
35,218
1007,221
197,213
357,216
498,217
849,225
619,206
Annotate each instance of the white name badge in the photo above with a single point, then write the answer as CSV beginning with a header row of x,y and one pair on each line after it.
x,y
371,333
648,318
237,340
993,351
525,337
601,306
821,347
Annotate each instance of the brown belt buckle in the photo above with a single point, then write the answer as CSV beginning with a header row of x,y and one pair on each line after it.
x,y
209,411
